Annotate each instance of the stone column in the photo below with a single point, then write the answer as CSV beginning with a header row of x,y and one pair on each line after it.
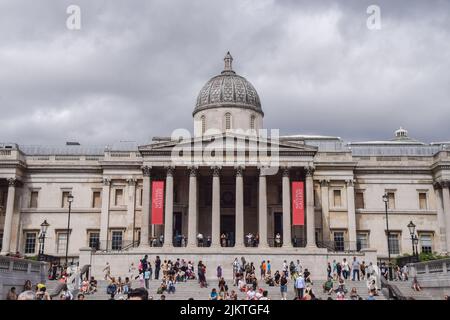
x,y
131,206
446,204
215,219
324,194
192,211
7,228
168,215
146,200
104,216
310,221
351,214
239,219
440,217
287,238
262,210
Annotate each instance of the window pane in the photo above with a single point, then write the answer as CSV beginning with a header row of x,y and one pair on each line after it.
x,y
116,240
30,242
362,241
339,241
61,242
394,243
94,240
426,243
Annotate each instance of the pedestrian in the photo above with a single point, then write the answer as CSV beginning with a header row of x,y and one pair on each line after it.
x,y
147,276
345,268
219,272
12,295
283,287
362,267
262,268
300,286
329,270
107,271
157,267
355,269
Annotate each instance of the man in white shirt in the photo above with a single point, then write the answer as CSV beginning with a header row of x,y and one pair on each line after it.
x,y
300,286
200,239
251,294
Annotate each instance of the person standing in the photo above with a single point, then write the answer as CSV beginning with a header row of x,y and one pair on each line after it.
x,y
12,295
345,268
236,268
147,276
107,271
329,270
262,268
157,267
355,269
362,267
268,268
283,287
300,286
219,272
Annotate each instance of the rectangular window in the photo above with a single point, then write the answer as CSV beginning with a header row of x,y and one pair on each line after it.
x,y
426,242
362,241
140,197
394,243
118,201
61,242
34,199
96,199
339,242
359,200
30,242
391,200
116,240
65,199
94,239
337,198
422,200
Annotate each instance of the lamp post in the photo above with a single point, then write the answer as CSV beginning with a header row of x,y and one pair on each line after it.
x,y
412,232
44,227
385,200
70,200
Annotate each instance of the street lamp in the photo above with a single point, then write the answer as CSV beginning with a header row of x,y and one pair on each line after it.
x,y
386,199
70,200
44,227
412,232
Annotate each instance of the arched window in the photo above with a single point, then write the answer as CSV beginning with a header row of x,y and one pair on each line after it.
x,y
203,119
227,121
252,121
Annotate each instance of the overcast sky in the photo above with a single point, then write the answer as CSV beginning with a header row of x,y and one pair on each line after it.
x,y
135,68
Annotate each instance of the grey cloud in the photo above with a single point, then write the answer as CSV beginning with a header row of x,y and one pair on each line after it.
x,y
134,69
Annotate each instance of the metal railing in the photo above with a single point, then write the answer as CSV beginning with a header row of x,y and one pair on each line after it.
x,y
338,246
401,261
394,292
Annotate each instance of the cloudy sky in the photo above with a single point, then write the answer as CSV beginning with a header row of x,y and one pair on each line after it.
x,y
134,69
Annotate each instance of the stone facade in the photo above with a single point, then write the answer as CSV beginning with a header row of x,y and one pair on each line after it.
x,y
344,185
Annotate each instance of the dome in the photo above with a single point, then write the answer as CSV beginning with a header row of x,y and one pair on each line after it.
x,y
228,90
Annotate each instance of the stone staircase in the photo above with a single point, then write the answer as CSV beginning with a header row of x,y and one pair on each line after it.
x,y
406,290
191,289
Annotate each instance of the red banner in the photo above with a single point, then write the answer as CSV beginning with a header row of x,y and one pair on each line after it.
x,y
298,203
157,202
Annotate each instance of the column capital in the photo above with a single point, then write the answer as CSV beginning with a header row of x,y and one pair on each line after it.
x,y
193,171
13,182
350,182
131,181
146,171
216,171
106,182
445,184
286,171
324,183
240,171
309,170
170,171
437,185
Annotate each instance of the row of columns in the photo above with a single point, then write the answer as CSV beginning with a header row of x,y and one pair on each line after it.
x,y
7,228
239,208
442,192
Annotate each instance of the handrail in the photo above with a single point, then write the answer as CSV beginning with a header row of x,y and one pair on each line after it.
x,y
73,282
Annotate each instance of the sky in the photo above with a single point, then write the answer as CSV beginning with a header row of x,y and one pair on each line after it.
x,y
134,68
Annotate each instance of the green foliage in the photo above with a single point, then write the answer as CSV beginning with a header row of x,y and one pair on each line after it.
x,y
430,256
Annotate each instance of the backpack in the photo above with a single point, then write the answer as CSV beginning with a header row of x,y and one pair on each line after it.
x,y
111,289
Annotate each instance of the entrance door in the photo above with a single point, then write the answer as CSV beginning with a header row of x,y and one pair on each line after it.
x,y
278,224
177,228
227,226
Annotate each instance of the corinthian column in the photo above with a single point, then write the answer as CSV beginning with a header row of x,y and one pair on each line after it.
x,y
440,217
192,211
168,216
131,205
215,219
351,214
104,216
262,210
9,215
446,205
325,210
287,238
239,241
146,195
310,221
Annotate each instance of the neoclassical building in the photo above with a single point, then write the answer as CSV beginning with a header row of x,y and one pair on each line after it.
x,y
228,180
